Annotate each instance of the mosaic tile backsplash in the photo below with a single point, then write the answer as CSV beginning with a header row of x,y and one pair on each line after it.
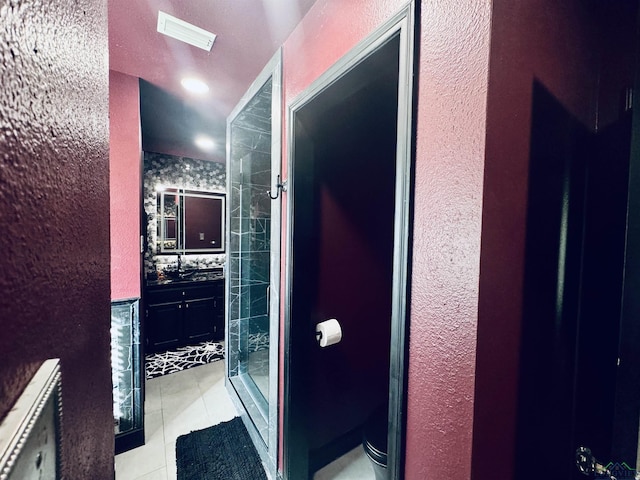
x,y
181,172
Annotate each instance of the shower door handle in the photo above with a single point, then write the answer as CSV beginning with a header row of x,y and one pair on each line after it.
x,y
268,301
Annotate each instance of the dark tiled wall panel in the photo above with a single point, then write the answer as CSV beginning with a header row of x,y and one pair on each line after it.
x,y
54,217
250,223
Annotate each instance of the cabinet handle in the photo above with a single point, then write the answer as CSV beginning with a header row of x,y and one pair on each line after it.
x,y
180,306
186,305
183,294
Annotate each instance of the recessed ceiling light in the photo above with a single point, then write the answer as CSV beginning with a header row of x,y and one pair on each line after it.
x,y
185,32
205,143
194,85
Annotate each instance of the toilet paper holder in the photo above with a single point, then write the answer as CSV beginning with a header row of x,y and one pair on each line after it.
x,y
328,332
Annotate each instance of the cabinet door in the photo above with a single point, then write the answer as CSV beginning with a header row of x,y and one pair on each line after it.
x,y
199,320
218,317
164,326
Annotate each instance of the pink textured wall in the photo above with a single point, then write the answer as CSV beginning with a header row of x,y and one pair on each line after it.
x,y
454,55
54,217
554,43
125,184
325,34
617,62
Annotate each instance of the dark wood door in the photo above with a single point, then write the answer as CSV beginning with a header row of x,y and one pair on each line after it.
x,y
574,265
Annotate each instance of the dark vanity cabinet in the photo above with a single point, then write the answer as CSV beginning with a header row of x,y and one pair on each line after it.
x,y
184,313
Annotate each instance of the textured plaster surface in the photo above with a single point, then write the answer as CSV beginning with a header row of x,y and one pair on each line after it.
x,y
124,162
54,217
453,70
329,30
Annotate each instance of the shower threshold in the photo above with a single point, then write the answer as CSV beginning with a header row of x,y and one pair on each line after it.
x,y
257,408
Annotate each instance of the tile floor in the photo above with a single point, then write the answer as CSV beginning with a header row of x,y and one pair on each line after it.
x,y
191,400
175,404
352,466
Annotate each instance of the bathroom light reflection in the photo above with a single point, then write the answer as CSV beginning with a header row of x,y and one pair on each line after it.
x,y
194,85
205,143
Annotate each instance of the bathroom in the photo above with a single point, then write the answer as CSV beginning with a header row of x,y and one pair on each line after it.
x,y
368,207
472,145
332,191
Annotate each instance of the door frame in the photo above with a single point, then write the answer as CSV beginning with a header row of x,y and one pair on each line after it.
x,y
295,464
626,421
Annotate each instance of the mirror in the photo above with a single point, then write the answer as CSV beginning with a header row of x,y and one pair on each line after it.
x,y
190,221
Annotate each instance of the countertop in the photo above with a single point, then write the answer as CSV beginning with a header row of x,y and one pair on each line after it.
x,y
189,277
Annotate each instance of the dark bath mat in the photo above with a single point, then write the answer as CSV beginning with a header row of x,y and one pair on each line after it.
x,y
221,452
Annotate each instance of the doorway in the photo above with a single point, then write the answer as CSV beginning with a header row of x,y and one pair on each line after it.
x,y
349,179
577,392
573,286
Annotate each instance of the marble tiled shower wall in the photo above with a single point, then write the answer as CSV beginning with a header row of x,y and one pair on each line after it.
x,y
250,226
182,172
125,358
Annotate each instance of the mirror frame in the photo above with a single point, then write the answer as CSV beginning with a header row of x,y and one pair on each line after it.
x,y
180,224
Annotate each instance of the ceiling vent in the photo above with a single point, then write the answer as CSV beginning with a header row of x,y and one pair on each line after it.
x,y
185,32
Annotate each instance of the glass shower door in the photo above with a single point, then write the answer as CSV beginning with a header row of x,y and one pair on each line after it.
x,y
253,257
250,261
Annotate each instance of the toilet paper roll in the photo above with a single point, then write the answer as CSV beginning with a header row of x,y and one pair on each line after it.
x,y
328,332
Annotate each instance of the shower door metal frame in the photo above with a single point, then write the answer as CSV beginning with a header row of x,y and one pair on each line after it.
x,y
403,24
243,398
